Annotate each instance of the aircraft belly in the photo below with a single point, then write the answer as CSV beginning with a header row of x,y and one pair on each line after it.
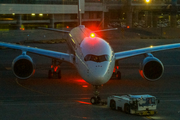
x,y
91,77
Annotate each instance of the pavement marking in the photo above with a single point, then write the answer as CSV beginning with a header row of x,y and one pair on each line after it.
x,y
30,88
148,117
8,68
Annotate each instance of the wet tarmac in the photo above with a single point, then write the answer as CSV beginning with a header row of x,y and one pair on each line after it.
x,y
68,98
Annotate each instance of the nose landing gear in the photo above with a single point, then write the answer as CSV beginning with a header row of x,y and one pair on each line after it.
x,y
96,99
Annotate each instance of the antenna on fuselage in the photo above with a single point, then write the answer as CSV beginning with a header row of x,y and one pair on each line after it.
x,y
79,12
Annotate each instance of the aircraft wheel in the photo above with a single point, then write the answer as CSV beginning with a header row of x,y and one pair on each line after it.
x,y
113,105
93,100
50,74
59,74
126,108
118,75
98,100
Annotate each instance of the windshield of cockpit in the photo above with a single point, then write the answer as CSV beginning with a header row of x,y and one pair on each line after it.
x,y
97,58
147,102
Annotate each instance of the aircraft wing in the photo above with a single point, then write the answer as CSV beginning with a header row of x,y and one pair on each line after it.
x,y
48,53
56,30
105,30
131,53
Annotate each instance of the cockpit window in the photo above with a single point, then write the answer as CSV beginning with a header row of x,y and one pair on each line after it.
x,y
148,102
96,58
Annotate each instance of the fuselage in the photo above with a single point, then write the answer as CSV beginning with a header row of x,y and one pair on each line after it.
x,y
94,58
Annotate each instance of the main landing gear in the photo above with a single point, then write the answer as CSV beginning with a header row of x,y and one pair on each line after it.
x,y
116,71
96,99
54,69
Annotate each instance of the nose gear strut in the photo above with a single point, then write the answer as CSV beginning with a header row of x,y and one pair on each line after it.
x,y
96,99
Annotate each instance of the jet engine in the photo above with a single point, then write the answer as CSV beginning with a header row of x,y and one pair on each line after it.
x,y
151,68
23,67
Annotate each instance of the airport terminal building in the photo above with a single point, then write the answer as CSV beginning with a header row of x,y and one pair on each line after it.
x,y
29,14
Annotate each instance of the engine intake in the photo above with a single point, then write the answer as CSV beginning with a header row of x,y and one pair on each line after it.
x,y
151,68
23,67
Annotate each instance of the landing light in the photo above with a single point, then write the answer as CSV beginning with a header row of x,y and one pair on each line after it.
x,y
33,14
151,46
92,35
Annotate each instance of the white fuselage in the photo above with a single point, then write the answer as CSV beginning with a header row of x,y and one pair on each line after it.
x,y
94,58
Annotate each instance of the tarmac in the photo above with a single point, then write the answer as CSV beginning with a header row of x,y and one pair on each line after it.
x,y
69,97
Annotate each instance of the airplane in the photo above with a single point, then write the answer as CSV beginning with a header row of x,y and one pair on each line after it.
x,y
93,57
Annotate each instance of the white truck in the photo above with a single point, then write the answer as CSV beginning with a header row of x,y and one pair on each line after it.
x,y
134,104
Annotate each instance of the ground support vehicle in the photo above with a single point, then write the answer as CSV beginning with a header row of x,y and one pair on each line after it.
x,y
134,104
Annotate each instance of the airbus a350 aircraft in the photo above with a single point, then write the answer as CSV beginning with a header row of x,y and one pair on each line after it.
x,y
93,57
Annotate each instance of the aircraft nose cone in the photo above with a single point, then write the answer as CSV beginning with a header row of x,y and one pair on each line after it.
x,y
99,76
98,73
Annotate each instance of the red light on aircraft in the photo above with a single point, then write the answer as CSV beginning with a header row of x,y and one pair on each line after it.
x,y
127,26
117,67
55,68
21,28
92,35
67,26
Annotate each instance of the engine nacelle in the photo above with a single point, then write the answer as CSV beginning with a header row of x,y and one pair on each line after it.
x,y
23,67
151,68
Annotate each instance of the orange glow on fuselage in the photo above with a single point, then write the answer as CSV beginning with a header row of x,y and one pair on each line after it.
x,y
93,41
141,73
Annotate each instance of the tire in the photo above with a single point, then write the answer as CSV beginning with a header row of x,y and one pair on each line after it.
x,y
50,74
93,101
113,105
118,75
59,74
98,100
127,108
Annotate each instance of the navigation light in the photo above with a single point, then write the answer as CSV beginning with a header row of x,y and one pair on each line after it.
x,y
92,35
